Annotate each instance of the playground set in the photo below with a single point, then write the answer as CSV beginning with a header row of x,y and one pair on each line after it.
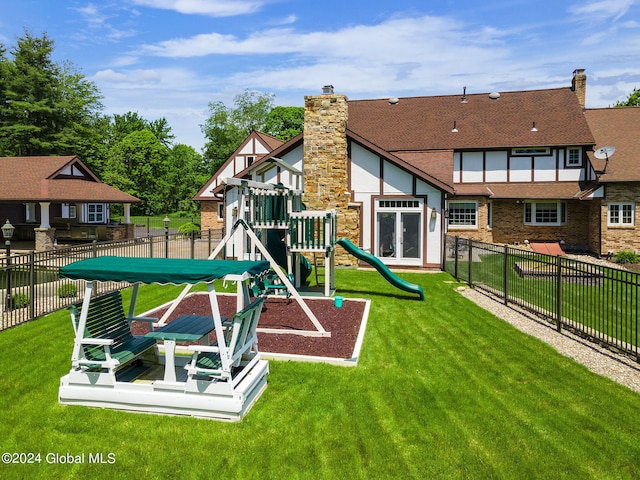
x,y
113,368
295,235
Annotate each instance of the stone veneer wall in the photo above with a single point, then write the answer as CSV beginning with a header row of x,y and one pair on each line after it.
x,y
616,238
326,180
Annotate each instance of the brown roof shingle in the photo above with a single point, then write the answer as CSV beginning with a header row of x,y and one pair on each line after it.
x,y
618,127
39,179
425,123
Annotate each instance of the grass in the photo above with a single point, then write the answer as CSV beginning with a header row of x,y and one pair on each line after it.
x,y
607,304
444,390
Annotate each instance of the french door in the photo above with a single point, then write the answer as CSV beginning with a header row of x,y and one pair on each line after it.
x,y
399,231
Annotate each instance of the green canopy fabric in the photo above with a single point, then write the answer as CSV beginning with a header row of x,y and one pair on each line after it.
x,y
158,270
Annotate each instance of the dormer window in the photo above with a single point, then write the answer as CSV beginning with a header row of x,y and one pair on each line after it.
x,y
250,161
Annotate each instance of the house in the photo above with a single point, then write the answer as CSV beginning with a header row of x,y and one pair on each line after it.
x,y
499,167
618,170
58,198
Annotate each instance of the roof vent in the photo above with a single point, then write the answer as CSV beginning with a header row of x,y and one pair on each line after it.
x,y
464,95
327,90
393,100
494,95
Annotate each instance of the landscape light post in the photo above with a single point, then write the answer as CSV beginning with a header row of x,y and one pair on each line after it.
x,y
7,233
166,222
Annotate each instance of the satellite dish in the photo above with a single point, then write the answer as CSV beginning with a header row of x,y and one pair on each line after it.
x,y
603,153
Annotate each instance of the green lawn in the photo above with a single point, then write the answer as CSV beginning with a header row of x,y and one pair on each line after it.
x,y
610,307
443,390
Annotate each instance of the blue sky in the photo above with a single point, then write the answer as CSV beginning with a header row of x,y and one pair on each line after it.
x,y
170,58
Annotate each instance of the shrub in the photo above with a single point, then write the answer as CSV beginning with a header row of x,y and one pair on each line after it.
x,y
68,290
187,228
626,256
19,300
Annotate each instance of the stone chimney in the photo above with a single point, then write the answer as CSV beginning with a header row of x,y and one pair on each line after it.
x,y
579,85
326,174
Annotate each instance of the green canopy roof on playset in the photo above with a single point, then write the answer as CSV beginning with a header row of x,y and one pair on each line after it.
x,y
158,270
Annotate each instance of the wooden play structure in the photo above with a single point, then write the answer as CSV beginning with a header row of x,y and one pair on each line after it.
x,y
297,239
112,368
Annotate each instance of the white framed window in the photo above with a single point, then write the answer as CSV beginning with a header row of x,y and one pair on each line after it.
x,y
545,213
69,210
220,210
621,213
573,157
463,214
96,213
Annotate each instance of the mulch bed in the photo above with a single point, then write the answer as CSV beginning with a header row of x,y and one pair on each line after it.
x,y
282,313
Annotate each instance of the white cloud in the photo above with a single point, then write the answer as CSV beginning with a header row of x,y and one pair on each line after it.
x,y
600,10
213,8
400,39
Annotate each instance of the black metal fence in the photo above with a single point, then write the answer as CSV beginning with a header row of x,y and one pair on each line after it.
x,y
597,302
30,282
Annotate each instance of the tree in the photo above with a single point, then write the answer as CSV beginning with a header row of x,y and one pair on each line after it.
x,y
226,128
186,175
284,122
45,108
632,101
139,165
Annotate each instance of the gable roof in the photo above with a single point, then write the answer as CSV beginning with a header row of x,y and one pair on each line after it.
x,y
617,127
213,185
426,123
61,179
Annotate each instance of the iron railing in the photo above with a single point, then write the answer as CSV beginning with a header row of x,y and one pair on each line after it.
x,y
37,290
597,302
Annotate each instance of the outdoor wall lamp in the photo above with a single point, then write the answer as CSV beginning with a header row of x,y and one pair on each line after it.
x,y
434,214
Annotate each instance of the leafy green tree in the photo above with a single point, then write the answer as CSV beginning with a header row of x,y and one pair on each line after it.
x,y
30,92
226,127
46,108
139,165
186,176
284,122
632,101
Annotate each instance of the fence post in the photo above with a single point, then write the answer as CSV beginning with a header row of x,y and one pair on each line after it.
x,y
32,284
559,293
208,242
470,262
505,274
150,245
193,243
94,248
455,254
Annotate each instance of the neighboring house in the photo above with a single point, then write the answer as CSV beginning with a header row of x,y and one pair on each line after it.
x,y
616,223
509,167
253,148
59,198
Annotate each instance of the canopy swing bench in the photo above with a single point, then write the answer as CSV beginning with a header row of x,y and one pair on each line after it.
x,y
111,366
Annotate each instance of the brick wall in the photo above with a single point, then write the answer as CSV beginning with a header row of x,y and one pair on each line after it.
x,y
508,224
209,215
616,238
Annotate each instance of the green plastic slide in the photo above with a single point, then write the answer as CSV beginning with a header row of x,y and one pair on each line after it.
x,y
376,263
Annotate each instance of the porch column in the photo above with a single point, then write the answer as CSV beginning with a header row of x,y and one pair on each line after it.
x,y
127,213
44,215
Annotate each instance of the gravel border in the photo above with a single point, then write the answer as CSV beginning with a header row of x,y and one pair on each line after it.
x,y
619,368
